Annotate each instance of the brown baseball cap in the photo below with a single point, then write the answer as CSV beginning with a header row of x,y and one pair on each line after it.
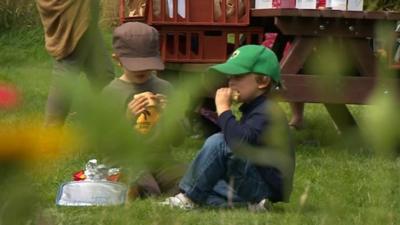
x,y
137,46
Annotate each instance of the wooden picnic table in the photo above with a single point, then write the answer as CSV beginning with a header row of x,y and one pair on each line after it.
x,y
305,29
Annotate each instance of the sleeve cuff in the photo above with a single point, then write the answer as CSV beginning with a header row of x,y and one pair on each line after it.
x,y
224,117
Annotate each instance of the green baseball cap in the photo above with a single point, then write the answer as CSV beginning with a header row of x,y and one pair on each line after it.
x,y
251,59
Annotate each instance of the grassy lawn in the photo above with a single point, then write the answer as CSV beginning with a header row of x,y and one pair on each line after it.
x,y
336,182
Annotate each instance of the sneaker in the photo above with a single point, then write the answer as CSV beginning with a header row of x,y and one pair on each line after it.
x,y
179,201
262,206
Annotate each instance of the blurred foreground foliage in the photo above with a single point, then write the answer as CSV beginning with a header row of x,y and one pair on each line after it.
x,y
334,183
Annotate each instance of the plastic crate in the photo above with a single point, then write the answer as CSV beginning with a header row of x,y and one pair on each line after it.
x,y
192,12
205,45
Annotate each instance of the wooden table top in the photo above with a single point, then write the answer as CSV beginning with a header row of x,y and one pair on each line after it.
x,y
326,13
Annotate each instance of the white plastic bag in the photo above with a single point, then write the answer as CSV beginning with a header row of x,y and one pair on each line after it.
x,y
91,193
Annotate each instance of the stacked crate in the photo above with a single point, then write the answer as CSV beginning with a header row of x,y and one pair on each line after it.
x,y
196,31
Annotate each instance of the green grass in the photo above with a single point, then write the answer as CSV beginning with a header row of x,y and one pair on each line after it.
x,y
25,64
345,185
343,189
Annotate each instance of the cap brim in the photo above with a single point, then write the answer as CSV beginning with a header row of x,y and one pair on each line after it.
x,y
141,64
228,69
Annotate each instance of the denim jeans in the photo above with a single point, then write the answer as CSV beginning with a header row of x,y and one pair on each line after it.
x,y
206,182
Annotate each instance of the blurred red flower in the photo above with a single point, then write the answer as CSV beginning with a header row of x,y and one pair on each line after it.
x,y
9,96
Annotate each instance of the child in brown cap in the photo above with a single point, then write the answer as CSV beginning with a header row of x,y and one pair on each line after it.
x,y
138,89
136,49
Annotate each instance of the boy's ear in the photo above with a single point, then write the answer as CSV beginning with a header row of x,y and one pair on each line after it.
x,y
264,82
116,58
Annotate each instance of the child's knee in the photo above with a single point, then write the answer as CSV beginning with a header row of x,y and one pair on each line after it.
x,y
216,143
215,140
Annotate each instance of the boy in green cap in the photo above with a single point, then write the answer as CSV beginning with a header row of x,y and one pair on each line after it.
x,y
258,168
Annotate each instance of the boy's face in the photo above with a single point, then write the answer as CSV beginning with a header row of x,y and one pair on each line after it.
x,y
248,86
138,77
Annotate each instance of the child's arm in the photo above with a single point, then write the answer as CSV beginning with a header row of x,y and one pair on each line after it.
x,y
249,131
235,132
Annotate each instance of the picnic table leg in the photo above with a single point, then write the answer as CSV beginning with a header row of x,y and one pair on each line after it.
x,y
366,64
280,45
297,55
292,64
364,56
342,117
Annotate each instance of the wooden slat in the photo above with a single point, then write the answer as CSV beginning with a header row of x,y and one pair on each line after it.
x,y
232,29
393,15
309,13
265,13
332,13
353,14
297,55
314,89
273,12
375,15
305,26
372,15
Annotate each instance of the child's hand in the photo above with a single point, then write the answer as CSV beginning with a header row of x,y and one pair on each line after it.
x,y
137,106
223,100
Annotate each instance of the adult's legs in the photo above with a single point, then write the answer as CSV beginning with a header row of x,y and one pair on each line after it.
x,y
90,56
297,115
97,65
65,72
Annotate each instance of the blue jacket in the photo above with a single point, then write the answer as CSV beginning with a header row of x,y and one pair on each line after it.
x,y
251,131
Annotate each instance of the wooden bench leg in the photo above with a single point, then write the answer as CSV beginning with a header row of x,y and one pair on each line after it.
x,y
280,45
301,49
342,117
364,55
297,55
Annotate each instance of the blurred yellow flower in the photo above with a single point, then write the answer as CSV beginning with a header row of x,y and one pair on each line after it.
x,y
32,141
